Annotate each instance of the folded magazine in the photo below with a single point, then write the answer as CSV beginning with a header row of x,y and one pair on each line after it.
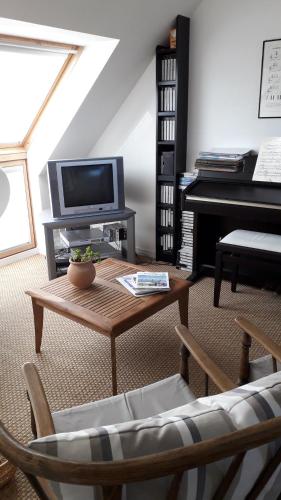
x,y
130,282
153,281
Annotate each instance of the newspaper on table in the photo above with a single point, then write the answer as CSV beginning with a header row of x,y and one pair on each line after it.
x,y
147,285
153,281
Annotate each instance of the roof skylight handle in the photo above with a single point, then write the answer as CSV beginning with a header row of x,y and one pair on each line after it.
x,y
41,48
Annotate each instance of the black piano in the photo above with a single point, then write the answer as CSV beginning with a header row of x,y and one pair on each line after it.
x,y
224,201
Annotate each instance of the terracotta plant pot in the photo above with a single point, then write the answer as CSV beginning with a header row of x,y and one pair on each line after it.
x,y
81,274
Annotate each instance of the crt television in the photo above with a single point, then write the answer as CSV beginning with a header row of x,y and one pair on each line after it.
x,y
86,186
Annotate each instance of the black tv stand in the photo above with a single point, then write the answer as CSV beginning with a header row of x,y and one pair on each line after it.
x,y
51,225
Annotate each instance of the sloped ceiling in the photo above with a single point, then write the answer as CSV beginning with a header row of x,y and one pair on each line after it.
x,y
139,24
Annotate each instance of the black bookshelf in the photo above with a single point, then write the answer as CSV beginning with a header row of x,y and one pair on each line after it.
x,y
172,67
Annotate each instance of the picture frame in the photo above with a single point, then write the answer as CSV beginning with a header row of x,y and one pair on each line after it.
x,y
270,81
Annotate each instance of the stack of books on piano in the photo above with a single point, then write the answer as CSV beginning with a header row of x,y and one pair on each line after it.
x,y
186,178
222,160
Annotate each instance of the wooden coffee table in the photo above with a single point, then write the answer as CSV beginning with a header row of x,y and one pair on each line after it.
x,y
106,307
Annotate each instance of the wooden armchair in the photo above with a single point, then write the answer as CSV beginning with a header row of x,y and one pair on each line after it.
x,y
262,366
109,474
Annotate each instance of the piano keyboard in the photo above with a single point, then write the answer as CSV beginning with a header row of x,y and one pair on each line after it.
x,y
232,202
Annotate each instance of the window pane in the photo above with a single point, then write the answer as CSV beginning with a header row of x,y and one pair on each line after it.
x,y
27,75
14,222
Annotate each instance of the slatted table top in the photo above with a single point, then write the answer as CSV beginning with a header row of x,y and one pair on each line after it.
x,y
106,306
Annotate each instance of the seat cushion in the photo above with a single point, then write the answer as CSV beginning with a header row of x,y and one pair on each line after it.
x,y
262,367
133,405
248,405
187,425
253,239
199,420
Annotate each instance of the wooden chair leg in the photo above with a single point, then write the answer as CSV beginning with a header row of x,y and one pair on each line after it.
x,y
113,366
234,276
244,372
112,492
184,355
218,277
32,418
184,352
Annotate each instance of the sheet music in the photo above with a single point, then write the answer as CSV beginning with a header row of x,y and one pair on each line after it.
x,y
268,166
270,96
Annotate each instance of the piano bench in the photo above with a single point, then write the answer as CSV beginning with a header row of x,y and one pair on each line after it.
x,y
241,245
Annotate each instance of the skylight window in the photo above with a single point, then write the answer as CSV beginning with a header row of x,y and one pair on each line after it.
x,y
43,83
29,72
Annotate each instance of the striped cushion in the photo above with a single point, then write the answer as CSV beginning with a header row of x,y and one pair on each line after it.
x,y
187,425
248,405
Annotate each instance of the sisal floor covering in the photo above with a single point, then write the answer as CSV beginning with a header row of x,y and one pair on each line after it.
x,y
75,364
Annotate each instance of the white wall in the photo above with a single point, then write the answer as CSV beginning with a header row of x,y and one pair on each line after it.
x,y
226,50
140,26
225,64
63,104
132,134
226,46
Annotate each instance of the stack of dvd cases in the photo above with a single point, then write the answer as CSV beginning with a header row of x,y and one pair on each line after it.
x,y
185,254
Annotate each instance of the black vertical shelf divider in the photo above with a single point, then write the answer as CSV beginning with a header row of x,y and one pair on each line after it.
x,y
172,70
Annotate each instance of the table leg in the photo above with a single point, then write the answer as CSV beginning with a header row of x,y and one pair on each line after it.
x,y
113,366
38,324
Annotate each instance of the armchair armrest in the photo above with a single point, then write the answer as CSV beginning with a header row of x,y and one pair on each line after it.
x,y
221,380
40,410
254,332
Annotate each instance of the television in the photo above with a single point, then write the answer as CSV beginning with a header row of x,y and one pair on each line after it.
x,y
86,186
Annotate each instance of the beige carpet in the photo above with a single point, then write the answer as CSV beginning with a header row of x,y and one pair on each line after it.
x,y
75,364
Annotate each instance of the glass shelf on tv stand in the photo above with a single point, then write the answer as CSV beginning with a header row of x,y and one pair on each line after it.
x,y
105,250
124,249
99,242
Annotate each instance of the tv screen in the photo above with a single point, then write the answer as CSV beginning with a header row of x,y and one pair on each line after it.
x,y
87,184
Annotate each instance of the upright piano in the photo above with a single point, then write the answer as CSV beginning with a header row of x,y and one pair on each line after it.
x,y
224,201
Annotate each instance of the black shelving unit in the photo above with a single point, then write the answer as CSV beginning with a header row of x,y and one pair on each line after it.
x,y
172,68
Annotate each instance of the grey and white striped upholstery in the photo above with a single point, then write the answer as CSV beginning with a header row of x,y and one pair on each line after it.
x,y
199,420
191,423
248,405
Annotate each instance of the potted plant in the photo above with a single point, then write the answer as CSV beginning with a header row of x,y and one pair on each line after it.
x,y
81,271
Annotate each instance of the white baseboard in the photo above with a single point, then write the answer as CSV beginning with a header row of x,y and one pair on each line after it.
x,y
145,253
34,251
18,256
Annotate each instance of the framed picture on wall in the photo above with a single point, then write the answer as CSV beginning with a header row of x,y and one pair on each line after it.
x,y
270,84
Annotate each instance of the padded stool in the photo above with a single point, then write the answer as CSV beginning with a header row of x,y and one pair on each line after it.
x,y
241,245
